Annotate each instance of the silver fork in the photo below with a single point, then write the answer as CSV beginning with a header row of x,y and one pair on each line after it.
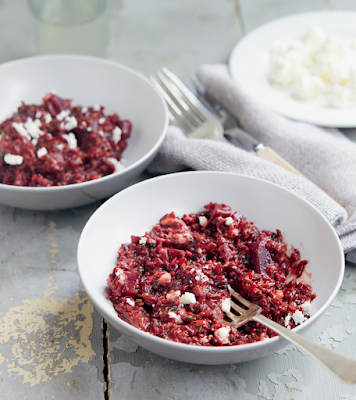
x,y
198,121
344,368
191,114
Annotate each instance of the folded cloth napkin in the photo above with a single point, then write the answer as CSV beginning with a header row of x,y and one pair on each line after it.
x,y
325,156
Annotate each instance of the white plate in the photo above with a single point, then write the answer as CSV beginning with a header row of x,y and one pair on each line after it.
x,y
249,63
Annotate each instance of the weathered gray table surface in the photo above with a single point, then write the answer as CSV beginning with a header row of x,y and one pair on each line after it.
x,y
53,344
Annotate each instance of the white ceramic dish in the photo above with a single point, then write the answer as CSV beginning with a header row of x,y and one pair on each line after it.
x,y
249,65
136,209
87,81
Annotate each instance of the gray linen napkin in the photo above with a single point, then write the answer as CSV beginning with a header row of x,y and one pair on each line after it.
x,y
325,156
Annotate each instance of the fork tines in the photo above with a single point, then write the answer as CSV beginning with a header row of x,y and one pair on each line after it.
x,y
243,309
185,107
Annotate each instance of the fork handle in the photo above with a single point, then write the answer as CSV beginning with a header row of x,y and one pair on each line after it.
x,y
344,368
268,154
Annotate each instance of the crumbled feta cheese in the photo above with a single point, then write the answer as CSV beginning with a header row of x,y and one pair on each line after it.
x,y
223,334
71,140
226,304
71,123
317,66
96,107
60,146
121,276
84,110
116,134
165,278
229,221
62,115
32,127
41,152
21,130
175,316
130,302
13,159
143,240
306,306
48,118
201,276
89,129
119,166
203,221
101,133
38,114
102,120
34,141
287,320
188,298
298,317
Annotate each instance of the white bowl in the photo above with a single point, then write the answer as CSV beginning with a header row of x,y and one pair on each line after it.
x,y
87,81
136,209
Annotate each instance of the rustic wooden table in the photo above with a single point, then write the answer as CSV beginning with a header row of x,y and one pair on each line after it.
x,y
53,343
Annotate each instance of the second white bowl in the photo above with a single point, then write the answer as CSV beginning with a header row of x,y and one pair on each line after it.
x,y
87,81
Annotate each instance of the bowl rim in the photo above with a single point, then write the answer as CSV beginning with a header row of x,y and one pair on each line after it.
x,y
82,185
135,333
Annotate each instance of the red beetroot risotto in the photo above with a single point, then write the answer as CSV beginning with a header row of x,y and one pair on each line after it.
x,y
173,282
55,144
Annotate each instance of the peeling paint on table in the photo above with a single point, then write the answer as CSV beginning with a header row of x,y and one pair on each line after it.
x,y
45,338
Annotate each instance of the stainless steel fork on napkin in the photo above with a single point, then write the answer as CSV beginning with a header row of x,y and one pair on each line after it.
x,y
234,133
209,120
